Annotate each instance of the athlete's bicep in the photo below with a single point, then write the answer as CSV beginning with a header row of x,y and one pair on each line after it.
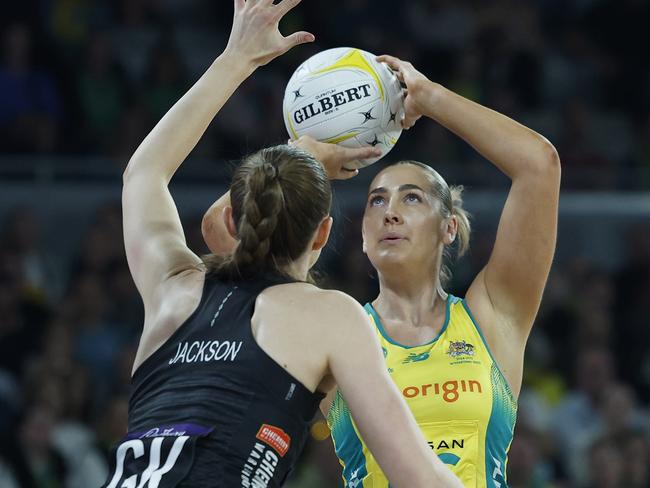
x,y
153,235
514,278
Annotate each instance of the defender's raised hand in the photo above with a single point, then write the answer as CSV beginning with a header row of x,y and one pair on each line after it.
x,y
255,36
334,157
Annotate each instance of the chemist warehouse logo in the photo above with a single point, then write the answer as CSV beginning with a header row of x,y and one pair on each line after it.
x,y
450,391
277,438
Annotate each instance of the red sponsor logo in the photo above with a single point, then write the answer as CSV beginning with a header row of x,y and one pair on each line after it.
x,y
275,437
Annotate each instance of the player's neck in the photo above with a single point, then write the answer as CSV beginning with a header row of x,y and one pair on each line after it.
x,y
413,282
409,302
298,269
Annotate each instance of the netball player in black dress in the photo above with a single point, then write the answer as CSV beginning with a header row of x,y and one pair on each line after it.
x,y
237,352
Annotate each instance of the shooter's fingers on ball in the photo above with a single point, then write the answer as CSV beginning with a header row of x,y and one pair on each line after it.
x,y
409,121
399,76
394,63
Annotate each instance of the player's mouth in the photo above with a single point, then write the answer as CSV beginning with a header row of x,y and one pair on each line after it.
x,y
392,238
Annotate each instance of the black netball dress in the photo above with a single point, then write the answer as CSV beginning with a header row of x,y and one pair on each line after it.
x,y
210,408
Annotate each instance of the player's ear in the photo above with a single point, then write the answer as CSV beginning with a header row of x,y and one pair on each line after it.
x,y
229,221
322,233
450,230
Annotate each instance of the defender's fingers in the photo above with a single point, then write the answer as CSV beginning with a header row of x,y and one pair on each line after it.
x,y
286,6
298,38
346,174
352,154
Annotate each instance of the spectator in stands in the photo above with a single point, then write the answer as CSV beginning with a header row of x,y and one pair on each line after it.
x,y
605,466
165,81
635,446
21,238
102,94
30,105
528,467
30,459
578,415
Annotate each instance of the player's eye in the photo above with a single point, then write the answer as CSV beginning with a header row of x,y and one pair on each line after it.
x,y
376,201
412,198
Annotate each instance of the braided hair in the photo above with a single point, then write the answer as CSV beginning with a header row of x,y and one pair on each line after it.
x,y
279,196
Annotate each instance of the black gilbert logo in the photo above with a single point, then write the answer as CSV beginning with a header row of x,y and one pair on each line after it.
x,y
330,102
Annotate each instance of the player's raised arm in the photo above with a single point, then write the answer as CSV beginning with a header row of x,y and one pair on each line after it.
x,y
154,239
508,290
378,409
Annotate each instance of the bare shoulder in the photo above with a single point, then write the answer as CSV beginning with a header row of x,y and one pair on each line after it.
x,y
332,309
311,294
336,302
301,327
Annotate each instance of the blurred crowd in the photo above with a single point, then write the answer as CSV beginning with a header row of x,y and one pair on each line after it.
x,y
91,77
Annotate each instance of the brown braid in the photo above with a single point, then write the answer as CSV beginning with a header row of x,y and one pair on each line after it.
x,y
260,209
279,196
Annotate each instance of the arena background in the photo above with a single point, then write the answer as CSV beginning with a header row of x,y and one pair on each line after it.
x,y
82,82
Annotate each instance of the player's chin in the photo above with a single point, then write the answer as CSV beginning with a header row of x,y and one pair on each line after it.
x,y
391,255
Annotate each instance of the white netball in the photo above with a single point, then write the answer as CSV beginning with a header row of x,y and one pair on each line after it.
x,y
345,96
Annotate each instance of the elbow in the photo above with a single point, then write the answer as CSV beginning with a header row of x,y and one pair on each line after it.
x,y
551,156
547,162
